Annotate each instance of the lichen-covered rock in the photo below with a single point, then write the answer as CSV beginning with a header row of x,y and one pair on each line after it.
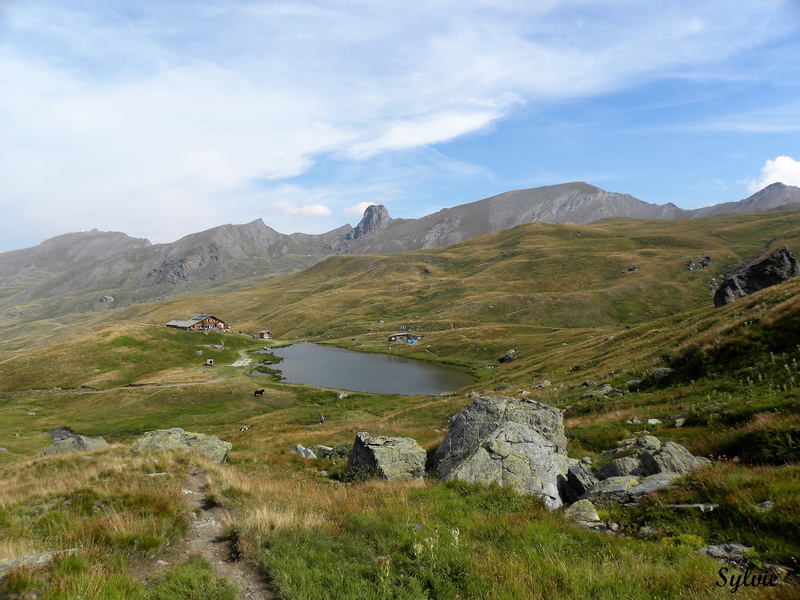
x,y
392,458
481,417
625,465
31,561
651,483
321,451
583,513
613,489
216,449
515,456
671,458
76,444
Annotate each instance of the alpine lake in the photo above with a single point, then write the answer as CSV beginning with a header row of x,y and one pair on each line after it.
x,y
338,368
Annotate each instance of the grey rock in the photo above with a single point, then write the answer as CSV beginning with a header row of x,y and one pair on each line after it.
x,y
391,458
757,273
662,373
584,513
727,552
625,465
671,458
481,417
303,452
76,444
633,382
765,506
515,456
542,384
680,422
31,561
647,532
653,421
509,356
634,421
613,489
579,481
321,451
341,396
703,507
216,449
651,483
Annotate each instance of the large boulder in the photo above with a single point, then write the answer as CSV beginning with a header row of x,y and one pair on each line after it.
x,y
753,275
75,444
481,417
516,456
391,458
211,446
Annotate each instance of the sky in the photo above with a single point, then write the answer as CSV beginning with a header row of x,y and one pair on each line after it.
x,y
161,118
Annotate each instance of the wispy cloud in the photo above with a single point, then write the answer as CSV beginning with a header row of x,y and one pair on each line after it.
x,y
121,114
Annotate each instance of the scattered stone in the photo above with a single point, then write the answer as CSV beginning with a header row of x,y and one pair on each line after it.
x,y
542,384
733,552
672,458
76,444
579,481
653,421
3,449
303,452
32,561
509,356
392,458
680,422
753,275
321,451
341,396
471,395
634,421
31,414
216,449
588,383
633,382
217,346
764,506
702,507
662,373
583,513
651,483
613,489
647,532
162,474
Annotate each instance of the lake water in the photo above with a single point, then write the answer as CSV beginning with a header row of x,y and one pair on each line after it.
x,y
341,369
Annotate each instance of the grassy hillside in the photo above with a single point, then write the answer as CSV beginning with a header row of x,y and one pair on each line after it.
x,y
563,296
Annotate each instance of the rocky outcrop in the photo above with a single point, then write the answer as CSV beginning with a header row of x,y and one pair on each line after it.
x,y
514,442
515,456
584,513
391,458
756,274
76,444
376,218
481,417
216,449
637,467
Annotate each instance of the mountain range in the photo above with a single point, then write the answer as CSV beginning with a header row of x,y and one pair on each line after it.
x,y
93,270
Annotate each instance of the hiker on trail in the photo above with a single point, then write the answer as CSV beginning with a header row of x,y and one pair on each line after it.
x,y
321,419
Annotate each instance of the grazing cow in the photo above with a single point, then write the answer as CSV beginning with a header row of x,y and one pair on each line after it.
x,y
244,428
258,393
321,419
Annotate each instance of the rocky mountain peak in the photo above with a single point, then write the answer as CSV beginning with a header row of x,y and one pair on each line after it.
x,y
376,218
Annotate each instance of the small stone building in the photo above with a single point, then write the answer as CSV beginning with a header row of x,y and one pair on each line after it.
x,y
404,337
264,334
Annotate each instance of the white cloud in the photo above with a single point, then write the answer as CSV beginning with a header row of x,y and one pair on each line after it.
x,y
155,116
784,169
357,210
309,210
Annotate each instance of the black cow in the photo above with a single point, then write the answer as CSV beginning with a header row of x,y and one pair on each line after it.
x,y
258,393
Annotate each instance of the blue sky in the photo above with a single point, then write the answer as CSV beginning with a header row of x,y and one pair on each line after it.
x,y
161,118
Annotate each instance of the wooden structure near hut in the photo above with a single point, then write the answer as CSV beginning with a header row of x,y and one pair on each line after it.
x,y
404,337
201,323
264,335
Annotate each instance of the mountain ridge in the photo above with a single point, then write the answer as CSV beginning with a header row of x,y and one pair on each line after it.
x,y
108,269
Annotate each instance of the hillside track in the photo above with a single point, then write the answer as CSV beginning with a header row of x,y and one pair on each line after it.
x,y
206,537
